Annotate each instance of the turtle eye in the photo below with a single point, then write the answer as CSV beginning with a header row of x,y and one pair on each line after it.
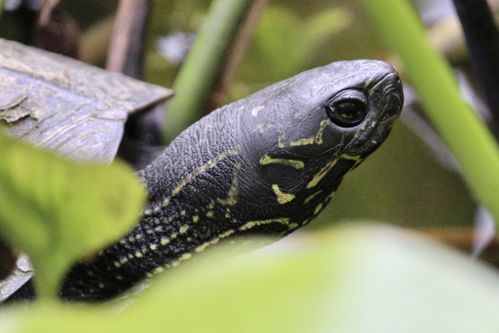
x,y
348,108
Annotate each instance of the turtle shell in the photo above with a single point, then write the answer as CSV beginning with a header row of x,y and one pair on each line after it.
x,y
68,106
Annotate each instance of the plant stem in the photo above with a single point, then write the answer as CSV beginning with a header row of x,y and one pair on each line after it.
x,y
236,53
203,65
471,143
126,51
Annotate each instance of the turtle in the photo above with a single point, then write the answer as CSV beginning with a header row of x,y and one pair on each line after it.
x,y
266,164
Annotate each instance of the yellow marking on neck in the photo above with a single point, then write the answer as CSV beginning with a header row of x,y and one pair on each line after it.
x,y
312,196
280,144
302,142
183,229
350,157
321,174
266,159
318,136
282,197
318,209
233,190
282,220
210,213
164,241
153,246
214,241
314,139
195,218
203,168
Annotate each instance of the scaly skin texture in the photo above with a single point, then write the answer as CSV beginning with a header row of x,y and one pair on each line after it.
x,y
266,164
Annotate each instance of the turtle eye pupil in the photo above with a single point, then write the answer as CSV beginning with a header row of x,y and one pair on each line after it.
x,y
348,108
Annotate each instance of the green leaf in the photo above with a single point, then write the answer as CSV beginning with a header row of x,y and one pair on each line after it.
x,y
360,279
57,210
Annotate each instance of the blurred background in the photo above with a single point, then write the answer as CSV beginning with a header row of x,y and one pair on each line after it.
x,y
411,181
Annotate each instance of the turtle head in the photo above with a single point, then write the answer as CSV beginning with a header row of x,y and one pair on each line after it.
x,y
304,134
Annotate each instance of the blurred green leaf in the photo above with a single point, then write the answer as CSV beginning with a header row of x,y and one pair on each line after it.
x,y
362,279
292,44
58,211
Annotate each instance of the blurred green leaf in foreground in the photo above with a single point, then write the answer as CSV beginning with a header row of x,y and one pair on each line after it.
x,y
355,279
58,211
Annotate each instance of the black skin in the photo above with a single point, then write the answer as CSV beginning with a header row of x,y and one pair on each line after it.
x,y
213,182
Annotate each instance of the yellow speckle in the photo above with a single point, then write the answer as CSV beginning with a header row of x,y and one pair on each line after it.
x,y
123,260
117,264
158,270
101,285
158,228
318,209
256,110
202,247
302,142
119,277
175,263
314,139
251,224
350,157
164,241
174,235
153,246
210,213
227,215
139,236
138,254
182,212
195,218
166,202
312,196
183,229
266,160
231,199
282,198
321,174
185,256
211,205
202,169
